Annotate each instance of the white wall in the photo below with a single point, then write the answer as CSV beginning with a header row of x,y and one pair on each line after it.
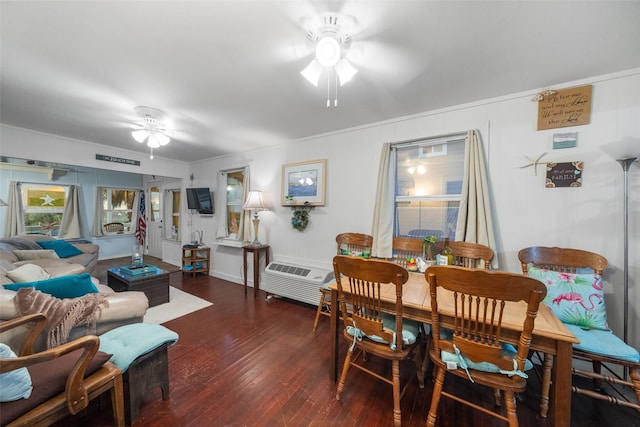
x,y
526,213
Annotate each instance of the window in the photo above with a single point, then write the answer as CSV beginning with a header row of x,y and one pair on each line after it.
x,y
43,206
235,188
428,189
118,206
172,214
154,204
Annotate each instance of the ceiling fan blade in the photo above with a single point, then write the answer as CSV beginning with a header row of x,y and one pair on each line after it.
x,y
392,63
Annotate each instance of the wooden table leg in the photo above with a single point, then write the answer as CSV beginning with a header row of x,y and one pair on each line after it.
x,y
333,334
256,272
244,257
561,383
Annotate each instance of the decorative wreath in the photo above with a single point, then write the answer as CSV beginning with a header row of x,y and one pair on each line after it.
x,y
300,219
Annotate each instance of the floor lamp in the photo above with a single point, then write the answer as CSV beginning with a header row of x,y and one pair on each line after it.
x,y
625,152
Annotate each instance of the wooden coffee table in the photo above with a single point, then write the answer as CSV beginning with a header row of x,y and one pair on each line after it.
x,y
155,285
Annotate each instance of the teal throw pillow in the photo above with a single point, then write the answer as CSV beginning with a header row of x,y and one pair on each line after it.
x,y
576,299
14,384
62,248
61,287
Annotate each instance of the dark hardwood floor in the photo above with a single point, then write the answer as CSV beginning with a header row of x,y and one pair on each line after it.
x,y
248,361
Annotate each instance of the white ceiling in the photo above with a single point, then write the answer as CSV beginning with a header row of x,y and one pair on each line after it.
x,y
228,72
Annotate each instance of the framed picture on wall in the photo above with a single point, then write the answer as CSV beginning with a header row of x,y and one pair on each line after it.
x,y
304,183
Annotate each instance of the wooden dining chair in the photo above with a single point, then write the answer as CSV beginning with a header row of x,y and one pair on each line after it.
x,y
469,254
476,305
352,244
574,280
370,331
405,247
64,379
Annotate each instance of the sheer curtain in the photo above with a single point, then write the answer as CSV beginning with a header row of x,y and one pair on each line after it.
x,y
475,222
96,228
71,223
383,213
15,217
221,206
245,220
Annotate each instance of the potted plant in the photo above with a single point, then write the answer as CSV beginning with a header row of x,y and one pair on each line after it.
x,y
427,248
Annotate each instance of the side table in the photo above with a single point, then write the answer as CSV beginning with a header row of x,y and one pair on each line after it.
x,y
256,249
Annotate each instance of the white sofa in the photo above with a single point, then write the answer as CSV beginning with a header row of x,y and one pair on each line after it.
x,y
122,308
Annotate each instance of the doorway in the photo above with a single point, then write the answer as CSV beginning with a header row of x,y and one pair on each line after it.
x,y
155,224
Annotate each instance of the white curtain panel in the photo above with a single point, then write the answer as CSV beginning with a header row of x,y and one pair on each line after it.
x,y
15,217
475,222
383,213
245,220
96,228
70,226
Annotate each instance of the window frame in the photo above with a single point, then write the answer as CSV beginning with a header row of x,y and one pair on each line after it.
x,y
134,210
24,187
447,201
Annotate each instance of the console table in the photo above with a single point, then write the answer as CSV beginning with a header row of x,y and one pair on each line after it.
x,y
256,249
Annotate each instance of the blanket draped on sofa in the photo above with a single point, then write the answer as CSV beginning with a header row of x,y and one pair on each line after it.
x,y
62,314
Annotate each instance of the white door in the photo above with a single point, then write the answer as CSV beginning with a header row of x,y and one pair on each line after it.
x,y
154,223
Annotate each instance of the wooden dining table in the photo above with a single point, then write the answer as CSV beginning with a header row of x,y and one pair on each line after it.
x,y
549,334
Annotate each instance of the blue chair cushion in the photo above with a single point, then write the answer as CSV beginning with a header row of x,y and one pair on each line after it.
x,y
410,329
507,350
129,342
604,343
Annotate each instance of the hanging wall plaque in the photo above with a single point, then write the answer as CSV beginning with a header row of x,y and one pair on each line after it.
x,y
563,108
567,174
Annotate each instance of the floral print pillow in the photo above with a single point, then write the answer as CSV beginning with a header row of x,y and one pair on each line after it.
x,y
577,299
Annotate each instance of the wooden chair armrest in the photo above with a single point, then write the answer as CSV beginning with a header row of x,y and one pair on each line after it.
x,y
39,320
75,392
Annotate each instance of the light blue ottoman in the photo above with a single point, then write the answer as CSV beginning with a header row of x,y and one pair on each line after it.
x,y
140,351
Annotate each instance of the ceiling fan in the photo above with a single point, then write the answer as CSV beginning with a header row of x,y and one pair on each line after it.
x,y
329,34
151,127
341,46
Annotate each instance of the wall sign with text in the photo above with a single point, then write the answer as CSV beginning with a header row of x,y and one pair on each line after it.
x,y
568,174
563,108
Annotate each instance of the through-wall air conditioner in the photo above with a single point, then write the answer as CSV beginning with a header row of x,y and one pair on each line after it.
x,y
296,282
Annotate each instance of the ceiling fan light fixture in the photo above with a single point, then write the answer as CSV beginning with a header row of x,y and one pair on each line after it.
x,y
152,128
152,141
140,135
345,71
312,72
328,51
162,138
332,43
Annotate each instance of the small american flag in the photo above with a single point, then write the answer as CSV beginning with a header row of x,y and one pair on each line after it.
x,y
141,227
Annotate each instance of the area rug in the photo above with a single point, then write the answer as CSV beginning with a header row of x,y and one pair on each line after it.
x,y
180,304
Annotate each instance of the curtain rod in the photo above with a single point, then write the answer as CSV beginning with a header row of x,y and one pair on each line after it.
x,y
426,140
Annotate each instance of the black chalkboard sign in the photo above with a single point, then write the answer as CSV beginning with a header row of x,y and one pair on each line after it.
x,y
568,174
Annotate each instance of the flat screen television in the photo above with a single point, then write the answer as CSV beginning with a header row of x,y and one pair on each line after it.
x,y
200,199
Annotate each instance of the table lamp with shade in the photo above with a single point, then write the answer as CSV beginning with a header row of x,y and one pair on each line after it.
x,y
256,202
3,203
